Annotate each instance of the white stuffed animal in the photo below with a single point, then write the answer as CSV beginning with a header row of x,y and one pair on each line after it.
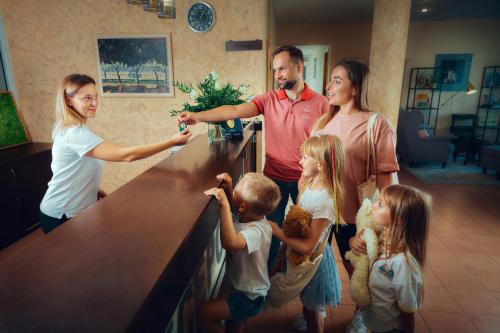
x,y
359,280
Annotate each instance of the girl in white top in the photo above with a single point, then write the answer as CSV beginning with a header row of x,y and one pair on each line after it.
x,y
320,191
395,280
78,154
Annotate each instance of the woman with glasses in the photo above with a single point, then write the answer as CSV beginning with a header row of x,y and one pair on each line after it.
x,y
78,153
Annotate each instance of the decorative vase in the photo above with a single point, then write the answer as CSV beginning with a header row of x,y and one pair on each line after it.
x,y
215,132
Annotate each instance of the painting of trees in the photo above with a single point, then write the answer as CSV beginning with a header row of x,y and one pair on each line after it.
x,y
135,65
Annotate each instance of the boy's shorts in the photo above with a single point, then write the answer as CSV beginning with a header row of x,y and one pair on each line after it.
x,y
242,307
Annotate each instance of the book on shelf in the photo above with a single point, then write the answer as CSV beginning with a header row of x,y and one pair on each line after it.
x,y
422,100
490,101
492,79
492,121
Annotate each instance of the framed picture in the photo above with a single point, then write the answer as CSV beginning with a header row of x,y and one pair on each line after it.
x,y
135,66
13,132
455,69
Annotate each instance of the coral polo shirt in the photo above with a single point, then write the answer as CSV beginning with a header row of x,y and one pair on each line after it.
x,y
287,125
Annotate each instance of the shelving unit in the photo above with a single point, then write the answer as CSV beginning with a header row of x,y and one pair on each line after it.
x,y
488,106
424,94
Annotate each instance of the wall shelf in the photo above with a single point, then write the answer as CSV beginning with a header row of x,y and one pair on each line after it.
x,y
424,94
488,105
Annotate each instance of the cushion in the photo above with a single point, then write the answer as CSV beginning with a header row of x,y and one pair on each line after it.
x,y
422,133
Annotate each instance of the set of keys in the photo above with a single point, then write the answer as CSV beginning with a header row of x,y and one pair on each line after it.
x,y
182,126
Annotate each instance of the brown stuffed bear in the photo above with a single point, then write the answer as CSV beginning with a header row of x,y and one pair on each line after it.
x,y
297,224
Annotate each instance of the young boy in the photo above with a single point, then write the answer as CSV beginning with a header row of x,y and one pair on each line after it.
x,y
247,242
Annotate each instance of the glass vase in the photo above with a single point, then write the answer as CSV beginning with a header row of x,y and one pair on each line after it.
x,y
215,132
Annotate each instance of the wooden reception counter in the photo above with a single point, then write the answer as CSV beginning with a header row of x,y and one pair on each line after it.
x,y
137,261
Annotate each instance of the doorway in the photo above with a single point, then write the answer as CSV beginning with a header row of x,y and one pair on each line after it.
x,y
316,60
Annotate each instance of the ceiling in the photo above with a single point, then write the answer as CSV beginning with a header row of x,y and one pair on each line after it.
x,y
345,11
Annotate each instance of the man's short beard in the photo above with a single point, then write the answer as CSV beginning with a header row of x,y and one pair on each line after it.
x,y
288,85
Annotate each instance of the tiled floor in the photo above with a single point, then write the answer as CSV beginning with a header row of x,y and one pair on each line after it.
x,y
462,273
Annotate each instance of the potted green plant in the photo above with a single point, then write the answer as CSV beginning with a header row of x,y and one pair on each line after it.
x,y
208,94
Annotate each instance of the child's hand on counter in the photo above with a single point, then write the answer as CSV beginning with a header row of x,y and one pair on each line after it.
x,y
219,194
227,181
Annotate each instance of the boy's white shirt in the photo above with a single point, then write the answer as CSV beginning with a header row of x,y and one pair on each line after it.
x,y
393,295
248,268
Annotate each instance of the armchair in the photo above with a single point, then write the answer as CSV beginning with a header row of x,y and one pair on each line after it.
x,y
412,148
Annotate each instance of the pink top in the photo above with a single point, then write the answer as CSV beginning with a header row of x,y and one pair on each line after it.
x,y
351,130
287,125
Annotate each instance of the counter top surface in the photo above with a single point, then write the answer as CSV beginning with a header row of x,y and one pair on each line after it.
x,y
96,270
12,154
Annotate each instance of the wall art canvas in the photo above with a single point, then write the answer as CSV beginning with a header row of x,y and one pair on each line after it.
x,y
455,69
13,132
133,66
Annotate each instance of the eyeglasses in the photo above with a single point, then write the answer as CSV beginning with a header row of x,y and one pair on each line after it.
x,y
88,99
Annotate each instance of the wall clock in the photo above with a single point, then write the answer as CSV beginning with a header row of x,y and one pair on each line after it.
x,y
201,17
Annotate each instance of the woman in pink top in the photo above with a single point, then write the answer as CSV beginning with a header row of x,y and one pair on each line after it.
x,y
346,93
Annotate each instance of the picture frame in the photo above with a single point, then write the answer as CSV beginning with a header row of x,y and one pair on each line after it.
x,y
13,131
135,66
455,70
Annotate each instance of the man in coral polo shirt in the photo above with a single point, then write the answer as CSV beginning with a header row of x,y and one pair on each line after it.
x,y
289,116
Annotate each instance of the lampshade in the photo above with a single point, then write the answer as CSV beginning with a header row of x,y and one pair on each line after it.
x,y
470,89
150,5
166,9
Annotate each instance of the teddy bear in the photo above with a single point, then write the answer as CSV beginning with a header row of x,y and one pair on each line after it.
x,y
359,280
297,224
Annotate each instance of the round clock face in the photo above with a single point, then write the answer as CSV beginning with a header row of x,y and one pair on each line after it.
x,y
201,17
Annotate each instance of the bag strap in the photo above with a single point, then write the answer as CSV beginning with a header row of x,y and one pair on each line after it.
x,y
370,144
320,250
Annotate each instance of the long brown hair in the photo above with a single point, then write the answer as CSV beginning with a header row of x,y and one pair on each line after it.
x,y
328,151
410,214
357,72
66,116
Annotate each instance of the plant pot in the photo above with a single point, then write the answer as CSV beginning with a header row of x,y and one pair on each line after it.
x,y
215,132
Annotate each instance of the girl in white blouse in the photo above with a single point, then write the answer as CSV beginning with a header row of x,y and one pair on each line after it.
x,y
78,154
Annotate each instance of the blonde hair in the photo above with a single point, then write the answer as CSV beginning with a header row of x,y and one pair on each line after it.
x,y
328,151
357,72
66,116
260,193
410,214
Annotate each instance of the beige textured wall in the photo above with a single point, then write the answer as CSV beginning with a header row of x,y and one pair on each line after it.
x,y
387,56
347,40
271,45
426,39
50,39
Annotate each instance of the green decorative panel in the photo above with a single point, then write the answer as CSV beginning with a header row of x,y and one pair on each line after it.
x,y
12,129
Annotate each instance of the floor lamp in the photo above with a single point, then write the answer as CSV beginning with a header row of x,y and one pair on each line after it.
x,y
470,90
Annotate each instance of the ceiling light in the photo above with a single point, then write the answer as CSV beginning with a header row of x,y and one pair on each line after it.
x,y
424,10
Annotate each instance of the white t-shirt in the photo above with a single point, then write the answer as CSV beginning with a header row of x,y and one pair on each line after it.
x,y
319,203
75,177
248,268
395,286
